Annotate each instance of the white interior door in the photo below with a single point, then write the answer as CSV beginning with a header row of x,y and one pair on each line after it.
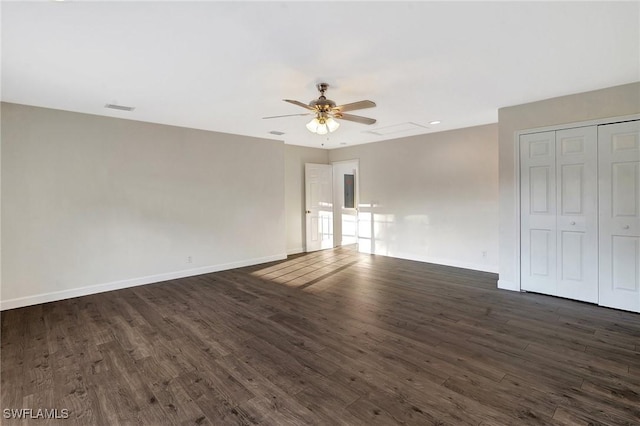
x,y
619,193
319,206
577,213
538,212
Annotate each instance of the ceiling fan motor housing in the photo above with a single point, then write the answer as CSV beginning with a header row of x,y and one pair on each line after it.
x,y
322,104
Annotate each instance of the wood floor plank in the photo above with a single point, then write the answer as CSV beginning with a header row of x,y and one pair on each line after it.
x,y
518,405
571,417
330,337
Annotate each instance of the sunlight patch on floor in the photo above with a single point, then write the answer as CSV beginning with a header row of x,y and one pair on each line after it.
x,y
307,270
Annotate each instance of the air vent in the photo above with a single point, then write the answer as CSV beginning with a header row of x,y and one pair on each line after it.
x,y
277,133
119,107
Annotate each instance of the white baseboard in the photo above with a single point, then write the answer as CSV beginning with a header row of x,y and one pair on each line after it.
x,y
295,250
466,265
508,285
132,282
450,262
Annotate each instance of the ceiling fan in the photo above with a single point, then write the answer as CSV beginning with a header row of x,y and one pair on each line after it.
x,y
326,111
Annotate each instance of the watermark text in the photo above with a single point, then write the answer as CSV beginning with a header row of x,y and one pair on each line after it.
x,y
35,413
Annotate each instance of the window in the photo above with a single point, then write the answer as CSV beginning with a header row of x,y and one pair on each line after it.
x,y
349,192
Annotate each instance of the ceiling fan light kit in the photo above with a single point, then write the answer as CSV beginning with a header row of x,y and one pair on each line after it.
x,y
322,125
326,112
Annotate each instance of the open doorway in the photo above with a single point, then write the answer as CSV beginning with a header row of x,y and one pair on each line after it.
x,y
345,203
331,205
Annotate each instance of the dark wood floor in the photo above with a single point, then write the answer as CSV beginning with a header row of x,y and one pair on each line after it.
x,y
333,337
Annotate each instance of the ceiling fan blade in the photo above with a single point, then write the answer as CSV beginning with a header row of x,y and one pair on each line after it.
x,y
288,115
299,104
354,106
356,118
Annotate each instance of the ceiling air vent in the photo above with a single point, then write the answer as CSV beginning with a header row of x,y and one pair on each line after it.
x,y
119,107
277,133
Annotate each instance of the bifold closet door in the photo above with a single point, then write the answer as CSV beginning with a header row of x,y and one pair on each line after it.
x,y
559,222
538,212
619,192
577,213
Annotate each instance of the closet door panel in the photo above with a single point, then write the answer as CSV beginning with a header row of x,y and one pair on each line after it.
x,y
538,212
619,192
577,214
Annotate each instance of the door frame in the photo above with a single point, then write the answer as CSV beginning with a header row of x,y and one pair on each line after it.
x,y
517,134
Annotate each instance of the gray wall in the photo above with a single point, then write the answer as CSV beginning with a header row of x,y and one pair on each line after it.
x,y
432,197
91,203
610,102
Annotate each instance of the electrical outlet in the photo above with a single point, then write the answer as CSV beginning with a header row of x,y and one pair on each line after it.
x,y
189,259
484,253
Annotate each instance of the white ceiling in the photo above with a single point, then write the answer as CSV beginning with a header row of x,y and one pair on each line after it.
x,y
223,66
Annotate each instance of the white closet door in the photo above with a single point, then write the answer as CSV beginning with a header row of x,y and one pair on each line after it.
x,y
538,212
619,192
577,213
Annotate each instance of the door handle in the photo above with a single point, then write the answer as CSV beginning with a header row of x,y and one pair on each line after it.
x,y
573,223
625,227
308,211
